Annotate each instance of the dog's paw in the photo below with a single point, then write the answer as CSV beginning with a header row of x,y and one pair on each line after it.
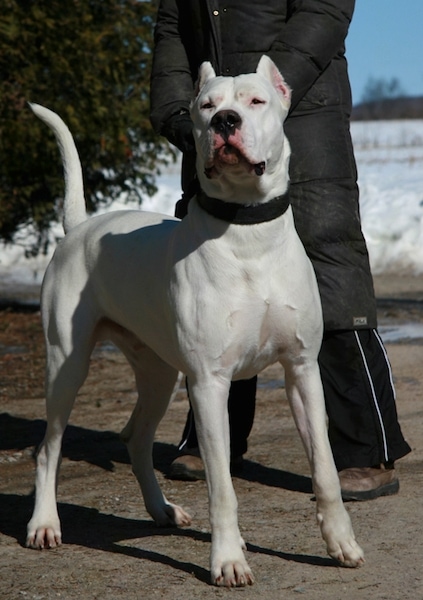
x,y
172,515
339,536
43,537
229,567
347,554
232,574
342,545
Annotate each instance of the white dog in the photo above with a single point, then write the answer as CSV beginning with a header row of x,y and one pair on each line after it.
x,y
218,296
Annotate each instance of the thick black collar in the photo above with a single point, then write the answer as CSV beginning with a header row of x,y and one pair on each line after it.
x,y
240,214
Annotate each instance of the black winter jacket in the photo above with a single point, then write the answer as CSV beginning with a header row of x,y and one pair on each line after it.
x,y
305,38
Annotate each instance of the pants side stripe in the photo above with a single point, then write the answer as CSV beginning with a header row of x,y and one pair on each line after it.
x,y
385,445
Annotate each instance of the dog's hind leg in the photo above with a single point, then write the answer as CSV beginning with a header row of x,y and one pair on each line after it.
x,y
156,381
305,394
67,367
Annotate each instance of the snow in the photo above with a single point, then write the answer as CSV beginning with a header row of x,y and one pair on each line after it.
x,y
404,332
390,166
389,158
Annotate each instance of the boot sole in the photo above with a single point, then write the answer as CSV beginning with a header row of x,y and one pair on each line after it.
x,y
389,489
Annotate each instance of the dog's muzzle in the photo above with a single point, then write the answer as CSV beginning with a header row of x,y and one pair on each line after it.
x,y
229,150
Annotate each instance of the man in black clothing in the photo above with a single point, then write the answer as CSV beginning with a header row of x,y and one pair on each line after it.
x,y
306,41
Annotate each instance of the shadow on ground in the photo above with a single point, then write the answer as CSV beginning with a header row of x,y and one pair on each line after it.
x,y
104,448
93,529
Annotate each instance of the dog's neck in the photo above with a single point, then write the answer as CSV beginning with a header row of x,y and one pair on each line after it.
x,y
240,214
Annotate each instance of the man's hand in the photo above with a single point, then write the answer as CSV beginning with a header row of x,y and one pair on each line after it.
x,y
178,130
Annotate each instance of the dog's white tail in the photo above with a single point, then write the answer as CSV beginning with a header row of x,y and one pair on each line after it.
x,y
74,211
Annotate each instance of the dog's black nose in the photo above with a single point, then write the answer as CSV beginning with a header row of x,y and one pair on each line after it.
x,y
225,122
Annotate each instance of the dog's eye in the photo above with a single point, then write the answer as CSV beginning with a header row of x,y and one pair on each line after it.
x,y
258,101
206,106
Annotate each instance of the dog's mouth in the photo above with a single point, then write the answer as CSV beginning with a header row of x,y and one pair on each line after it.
x,y
228,155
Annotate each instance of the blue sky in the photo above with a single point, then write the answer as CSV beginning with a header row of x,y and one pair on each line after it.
x,y
385,41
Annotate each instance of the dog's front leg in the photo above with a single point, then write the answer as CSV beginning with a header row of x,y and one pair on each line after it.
x,y
305,394
227,563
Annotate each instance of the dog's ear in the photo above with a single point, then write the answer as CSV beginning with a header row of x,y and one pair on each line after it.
x,y
205,73
267,68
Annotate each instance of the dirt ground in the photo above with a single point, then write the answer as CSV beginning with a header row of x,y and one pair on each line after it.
x,y
111,547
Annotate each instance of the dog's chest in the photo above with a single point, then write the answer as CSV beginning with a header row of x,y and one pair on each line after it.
x,y
244,326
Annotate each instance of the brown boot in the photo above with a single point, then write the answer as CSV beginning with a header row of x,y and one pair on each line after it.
x,y
367,483
189,466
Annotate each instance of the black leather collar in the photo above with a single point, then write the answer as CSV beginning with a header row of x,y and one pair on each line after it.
x,y
240,214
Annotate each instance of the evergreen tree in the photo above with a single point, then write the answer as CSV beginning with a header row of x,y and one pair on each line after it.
x,y
89,61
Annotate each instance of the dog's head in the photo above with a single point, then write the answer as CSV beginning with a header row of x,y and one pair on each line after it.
x,y
238,128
